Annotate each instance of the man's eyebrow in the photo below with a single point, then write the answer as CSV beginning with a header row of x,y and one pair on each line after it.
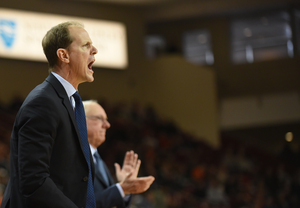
x,y
87,42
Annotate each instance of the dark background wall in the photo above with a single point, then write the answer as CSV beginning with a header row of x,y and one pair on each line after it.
x,y
139,80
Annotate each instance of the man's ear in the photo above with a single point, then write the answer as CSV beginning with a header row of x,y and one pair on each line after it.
x,y
63,55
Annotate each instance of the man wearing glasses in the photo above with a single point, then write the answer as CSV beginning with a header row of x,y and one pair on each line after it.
x,y
107,193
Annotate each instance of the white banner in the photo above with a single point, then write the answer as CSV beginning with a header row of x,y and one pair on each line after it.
x,y
21,35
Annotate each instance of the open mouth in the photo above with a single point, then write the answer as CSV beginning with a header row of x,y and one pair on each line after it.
x,y
91,64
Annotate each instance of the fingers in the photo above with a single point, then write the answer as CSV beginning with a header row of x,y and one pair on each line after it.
x,y
117,168
119,175
137,185
134,160
127,158
144,184
131,159
137,168
146,181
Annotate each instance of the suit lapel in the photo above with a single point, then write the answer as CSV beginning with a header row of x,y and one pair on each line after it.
x,y
110,179
100,177
61,92
65,100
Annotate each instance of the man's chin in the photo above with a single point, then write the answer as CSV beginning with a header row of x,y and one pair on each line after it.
x,y
90,79
102,141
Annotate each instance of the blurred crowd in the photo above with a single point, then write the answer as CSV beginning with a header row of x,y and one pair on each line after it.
x,y
188,172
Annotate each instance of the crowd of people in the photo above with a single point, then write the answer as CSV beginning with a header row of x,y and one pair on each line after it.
x,y
188,172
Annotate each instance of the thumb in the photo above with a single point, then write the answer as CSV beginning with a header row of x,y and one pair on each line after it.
x,y
117,167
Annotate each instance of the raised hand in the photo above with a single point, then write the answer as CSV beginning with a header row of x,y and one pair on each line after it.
x,y
131,165
127,176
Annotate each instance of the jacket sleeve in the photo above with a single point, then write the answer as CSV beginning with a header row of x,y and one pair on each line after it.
x,y
110,197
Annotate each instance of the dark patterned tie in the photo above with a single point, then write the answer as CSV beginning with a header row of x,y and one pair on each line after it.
x,y
100,167
81,122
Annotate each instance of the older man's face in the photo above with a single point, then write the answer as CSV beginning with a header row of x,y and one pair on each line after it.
x,y
96,120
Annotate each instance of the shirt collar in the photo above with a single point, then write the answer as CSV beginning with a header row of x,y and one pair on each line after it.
x,y
68,87
93,150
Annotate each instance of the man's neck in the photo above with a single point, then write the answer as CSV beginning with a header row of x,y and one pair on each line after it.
x,y
65,73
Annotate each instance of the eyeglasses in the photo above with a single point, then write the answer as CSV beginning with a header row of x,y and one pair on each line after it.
x,y
100,118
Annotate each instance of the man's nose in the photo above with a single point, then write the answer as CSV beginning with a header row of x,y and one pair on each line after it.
x,y
94,50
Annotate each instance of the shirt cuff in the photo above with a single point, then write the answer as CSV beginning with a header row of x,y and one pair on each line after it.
x,y
125,197
120,190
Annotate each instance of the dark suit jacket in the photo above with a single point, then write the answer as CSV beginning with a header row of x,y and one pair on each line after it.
x,y
107,195
48,166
